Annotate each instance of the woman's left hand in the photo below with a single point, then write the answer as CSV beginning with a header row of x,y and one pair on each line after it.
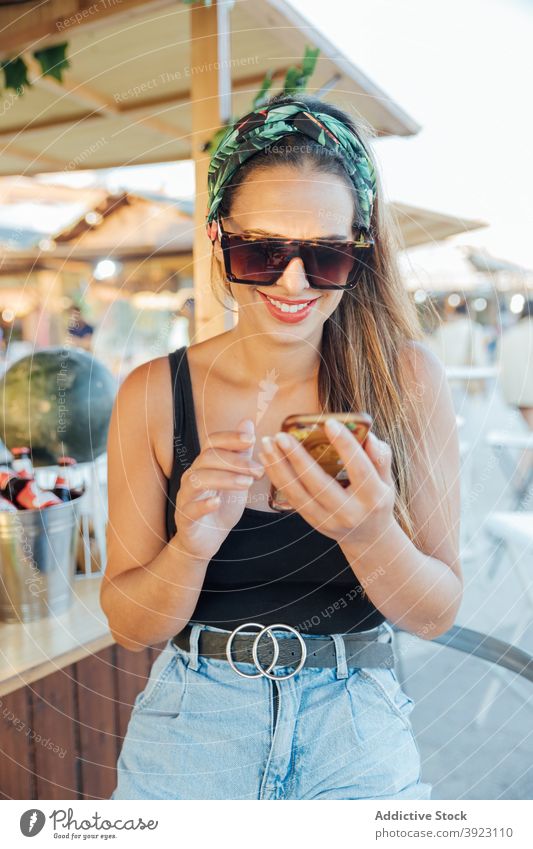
x,y
359,513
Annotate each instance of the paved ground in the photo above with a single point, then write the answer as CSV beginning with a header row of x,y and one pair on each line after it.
x,y
465,754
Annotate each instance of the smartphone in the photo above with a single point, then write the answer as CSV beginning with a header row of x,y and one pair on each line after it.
x,y
308,428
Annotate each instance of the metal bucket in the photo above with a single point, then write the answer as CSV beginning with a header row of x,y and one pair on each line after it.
x,y
37,561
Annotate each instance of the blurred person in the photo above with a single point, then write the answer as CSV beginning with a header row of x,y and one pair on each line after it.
x,y
459,340
515,355
516,364
80,333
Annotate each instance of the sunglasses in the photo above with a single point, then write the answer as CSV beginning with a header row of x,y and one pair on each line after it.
x,y
261,260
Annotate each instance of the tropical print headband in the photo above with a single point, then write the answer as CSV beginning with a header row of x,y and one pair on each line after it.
x,y
258,129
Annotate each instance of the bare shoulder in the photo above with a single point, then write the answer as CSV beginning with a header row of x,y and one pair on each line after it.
x,y
148,382
422,365
147,392
426,379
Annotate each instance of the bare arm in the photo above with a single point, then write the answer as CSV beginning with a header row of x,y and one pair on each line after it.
x,y
150,587
420,589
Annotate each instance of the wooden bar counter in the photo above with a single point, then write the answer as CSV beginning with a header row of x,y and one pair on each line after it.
x,y
66,693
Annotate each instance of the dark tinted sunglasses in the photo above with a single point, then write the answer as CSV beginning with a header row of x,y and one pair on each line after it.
x,y
261,260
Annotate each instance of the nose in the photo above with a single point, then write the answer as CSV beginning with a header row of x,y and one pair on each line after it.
x,y
293,279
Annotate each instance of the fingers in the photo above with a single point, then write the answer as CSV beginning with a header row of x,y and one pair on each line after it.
x,y
225,463
231,440
312,482
229,461
381,456
359,466
194,510
199,480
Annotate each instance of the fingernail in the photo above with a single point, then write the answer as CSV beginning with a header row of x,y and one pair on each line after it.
x,y
267,444
334,425
247,437
244,479
283,440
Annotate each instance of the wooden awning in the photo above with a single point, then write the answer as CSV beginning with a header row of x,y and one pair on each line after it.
x,y
126,98
152,80
420,226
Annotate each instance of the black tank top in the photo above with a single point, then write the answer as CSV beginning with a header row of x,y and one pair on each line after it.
x,y
272,567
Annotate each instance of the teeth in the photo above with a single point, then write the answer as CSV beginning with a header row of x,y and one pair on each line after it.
x,y
287,307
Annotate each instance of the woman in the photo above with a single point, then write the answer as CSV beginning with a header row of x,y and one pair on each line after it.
x,y
197,558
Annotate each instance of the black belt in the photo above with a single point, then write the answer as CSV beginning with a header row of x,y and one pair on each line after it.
x,y
362,649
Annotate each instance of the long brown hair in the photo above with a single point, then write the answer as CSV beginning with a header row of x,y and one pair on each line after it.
x,y
361,366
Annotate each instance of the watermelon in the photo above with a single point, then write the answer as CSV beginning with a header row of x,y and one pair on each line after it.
x,y
57,401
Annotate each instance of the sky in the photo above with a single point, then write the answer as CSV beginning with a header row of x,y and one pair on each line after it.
x,y
463,70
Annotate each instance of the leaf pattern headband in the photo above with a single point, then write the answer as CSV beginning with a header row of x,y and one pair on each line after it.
x,y
258,129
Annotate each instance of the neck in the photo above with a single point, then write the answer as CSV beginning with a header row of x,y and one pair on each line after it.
x,y
288,362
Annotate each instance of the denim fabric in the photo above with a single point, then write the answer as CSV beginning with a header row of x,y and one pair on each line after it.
x,y
200,731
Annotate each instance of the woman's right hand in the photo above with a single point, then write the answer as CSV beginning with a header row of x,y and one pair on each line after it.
x,y
203,523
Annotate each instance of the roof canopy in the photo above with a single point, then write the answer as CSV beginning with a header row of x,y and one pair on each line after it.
x,y
419,226
126,97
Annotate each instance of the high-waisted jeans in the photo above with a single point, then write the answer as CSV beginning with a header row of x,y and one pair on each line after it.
x,y
200,731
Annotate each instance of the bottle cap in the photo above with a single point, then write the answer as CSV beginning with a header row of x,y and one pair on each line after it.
x,y
66,461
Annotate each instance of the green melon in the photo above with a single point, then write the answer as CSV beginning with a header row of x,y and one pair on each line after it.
x,y
57,401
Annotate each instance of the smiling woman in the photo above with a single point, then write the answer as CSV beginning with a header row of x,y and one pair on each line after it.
x,y
280,658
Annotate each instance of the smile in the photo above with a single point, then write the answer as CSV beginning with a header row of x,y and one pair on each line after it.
x,y
289,308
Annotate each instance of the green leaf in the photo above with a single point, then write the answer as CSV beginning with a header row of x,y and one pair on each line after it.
x,y
296,78
309,60
53,60
15,73
261,95
293,80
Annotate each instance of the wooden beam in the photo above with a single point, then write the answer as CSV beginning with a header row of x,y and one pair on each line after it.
x,y
93,98
242,84
85,95
209,315
37,25
44,161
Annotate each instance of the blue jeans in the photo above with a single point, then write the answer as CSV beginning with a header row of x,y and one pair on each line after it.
x,y
200,731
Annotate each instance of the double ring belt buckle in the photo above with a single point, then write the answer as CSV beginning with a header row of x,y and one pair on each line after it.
x,y
255,648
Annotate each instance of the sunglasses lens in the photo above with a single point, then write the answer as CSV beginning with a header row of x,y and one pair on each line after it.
x,y
326,266
255,261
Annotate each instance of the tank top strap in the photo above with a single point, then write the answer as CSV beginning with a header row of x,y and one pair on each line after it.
x,y
185,442
176,359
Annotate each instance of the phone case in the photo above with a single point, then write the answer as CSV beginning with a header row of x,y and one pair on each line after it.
x,y
308,429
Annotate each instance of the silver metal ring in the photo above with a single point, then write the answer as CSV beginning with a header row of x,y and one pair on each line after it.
x,y
268,630
261,671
